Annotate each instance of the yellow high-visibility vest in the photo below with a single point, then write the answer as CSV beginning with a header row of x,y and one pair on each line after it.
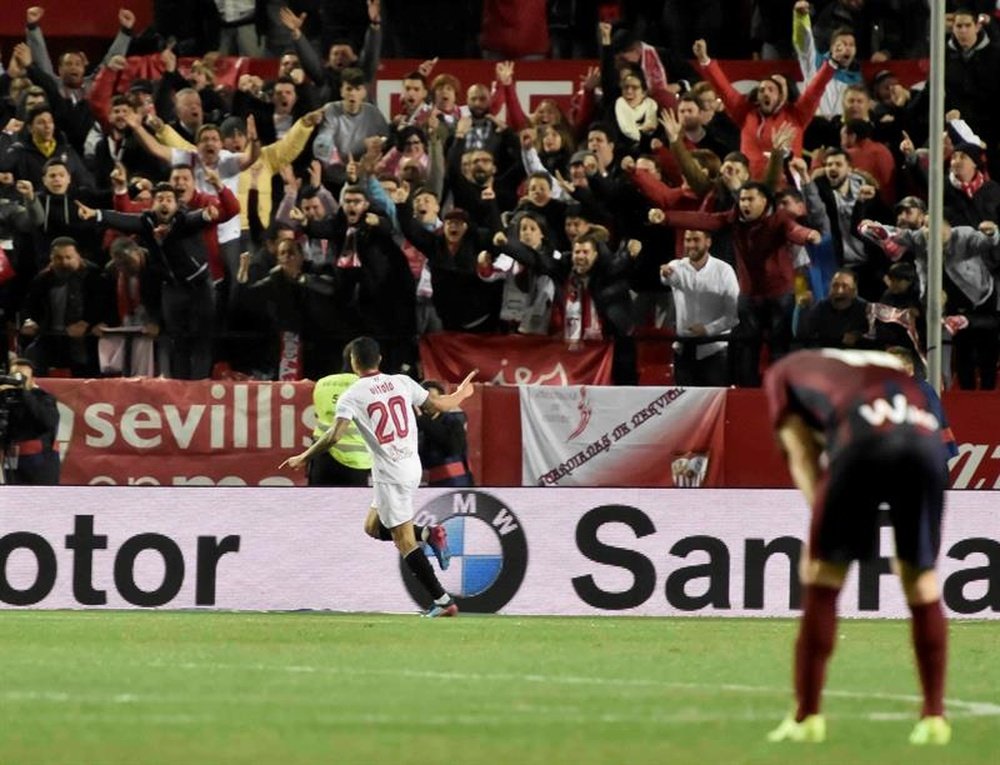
x,y
351,449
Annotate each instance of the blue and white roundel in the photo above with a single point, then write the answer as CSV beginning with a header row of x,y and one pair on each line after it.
x,y
476,556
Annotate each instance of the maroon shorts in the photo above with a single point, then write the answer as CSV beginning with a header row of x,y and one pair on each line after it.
x,y
903,470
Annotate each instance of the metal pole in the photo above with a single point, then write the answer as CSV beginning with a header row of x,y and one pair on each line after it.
x,y
935,195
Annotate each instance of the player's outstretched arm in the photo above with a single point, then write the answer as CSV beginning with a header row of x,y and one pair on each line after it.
x,y
453,399
333,434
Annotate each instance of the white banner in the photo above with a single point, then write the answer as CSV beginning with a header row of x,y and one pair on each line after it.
x,y
516,551
606,436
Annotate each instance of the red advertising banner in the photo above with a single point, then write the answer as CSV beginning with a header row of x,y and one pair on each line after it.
x,y
168,432
153,432
98,18
514,359
974,418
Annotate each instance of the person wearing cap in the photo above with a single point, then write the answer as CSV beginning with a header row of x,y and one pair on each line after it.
x,y
970,197
463,301
27,450
759,120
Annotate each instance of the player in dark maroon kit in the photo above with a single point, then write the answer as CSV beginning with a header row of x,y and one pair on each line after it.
x,y
858,432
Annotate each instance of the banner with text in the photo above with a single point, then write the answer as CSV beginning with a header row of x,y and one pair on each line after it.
x,y
586,436
153,431
514,359
581,552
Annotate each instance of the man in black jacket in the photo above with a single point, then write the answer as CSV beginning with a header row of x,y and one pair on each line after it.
x,y
176,249
372,275
63,303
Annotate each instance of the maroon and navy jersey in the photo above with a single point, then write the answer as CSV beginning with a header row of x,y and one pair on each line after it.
x,y
850,396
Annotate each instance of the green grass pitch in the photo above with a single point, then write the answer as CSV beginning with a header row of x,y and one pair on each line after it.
x,y
103,688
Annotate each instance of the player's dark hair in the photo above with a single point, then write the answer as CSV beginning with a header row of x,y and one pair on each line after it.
x,y
366,352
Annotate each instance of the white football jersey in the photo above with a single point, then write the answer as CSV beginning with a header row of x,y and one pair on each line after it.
x,y
381,406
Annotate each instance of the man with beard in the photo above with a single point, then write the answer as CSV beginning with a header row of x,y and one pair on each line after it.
x,y
64,302
372,276
759,120
177,250
481,133
119,145
68,86
839,320
761,238
211,156
190,198
705,300
850,197
594,302
693,131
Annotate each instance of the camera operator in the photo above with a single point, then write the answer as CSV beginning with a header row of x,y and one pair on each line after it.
x,y
29,419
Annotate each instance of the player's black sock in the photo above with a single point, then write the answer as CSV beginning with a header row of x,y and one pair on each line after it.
x,y
383,533
421,568
418,532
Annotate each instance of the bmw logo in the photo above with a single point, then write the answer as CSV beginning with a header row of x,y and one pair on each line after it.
x,y
489,551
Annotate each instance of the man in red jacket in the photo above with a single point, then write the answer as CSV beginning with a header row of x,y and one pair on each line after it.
x,y
759,119
764,266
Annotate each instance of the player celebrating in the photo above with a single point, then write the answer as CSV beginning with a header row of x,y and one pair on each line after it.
x,y
857,432
381,406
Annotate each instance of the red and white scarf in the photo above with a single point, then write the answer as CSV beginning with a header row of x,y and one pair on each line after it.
x,y
580,319
971,187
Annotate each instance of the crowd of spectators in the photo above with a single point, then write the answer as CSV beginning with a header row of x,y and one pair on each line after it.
x,y
174,227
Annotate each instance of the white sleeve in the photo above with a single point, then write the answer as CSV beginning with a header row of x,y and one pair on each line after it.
x,y
418,393
345,408
180,157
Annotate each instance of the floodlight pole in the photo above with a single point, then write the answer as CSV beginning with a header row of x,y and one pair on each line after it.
x,y
935,198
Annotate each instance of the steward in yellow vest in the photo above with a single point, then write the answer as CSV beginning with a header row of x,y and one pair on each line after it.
x,y
348,462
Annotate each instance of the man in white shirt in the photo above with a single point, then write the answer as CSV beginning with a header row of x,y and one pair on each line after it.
x,y
381,406
705,298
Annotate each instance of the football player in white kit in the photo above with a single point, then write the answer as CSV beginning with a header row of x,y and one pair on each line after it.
x,y
381,406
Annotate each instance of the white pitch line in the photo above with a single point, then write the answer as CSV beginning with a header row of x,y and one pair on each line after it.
x,y
957,707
